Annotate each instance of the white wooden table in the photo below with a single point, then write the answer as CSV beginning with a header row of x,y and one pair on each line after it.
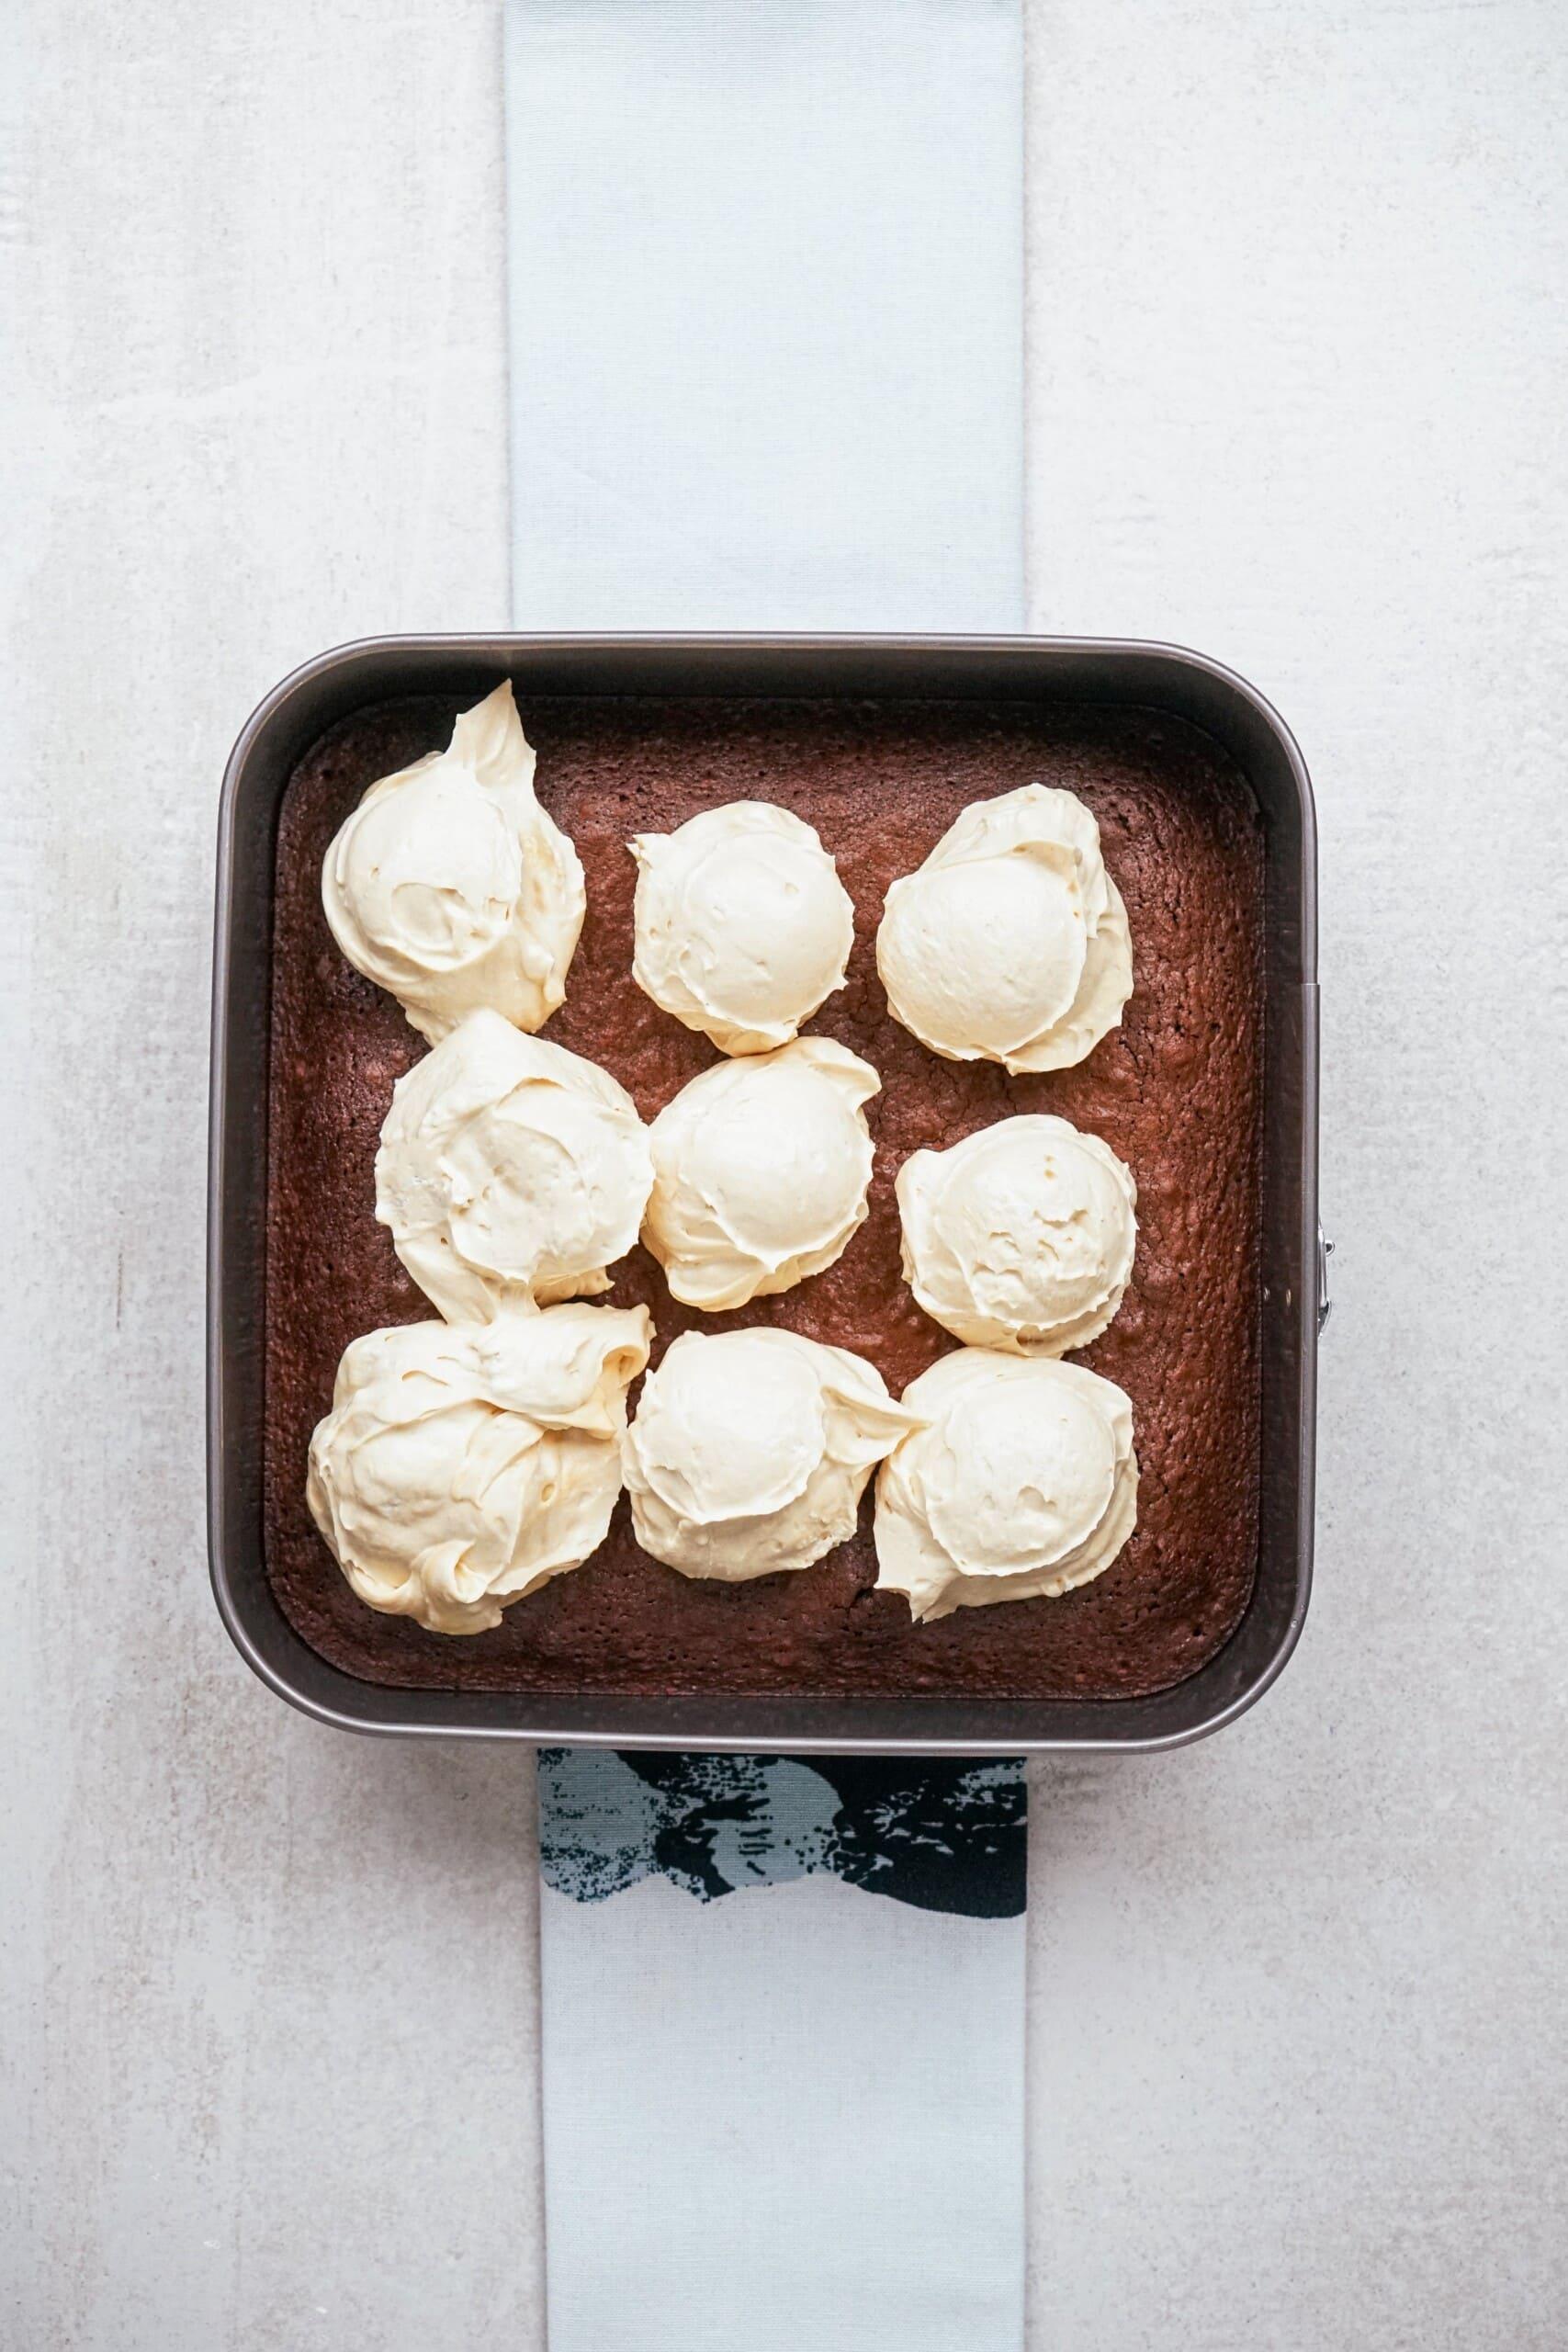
x,y
1297,348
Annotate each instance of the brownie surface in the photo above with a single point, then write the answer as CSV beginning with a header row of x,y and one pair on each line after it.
x,y
1177,1091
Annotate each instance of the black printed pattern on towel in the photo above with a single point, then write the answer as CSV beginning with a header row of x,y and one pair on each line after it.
x,y
940,1835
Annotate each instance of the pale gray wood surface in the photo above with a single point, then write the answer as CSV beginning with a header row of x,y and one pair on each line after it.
x,y
1297,348
269,2027
1297,362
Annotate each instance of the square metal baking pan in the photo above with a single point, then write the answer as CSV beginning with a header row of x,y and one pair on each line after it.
x,y
1148,676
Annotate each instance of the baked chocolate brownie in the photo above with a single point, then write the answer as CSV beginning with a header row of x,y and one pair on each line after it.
x,y
1177,1091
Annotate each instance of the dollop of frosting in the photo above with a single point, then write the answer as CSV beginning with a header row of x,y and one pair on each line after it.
x,y
751,1450
760,1169
743,927
510,1172
1010,942
1022,1483
450,886
460,1468
1021,1237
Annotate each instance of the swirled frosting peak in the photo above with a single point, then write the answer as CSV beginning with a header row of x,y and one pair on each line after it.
x,y
449,885
1010,942
751,1450
760,1169
460,1468
1021,1237
743,926
510,1172
1021,1483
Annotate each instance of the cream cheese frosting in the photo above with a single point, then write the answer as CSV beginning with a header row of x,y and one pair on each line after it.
x,y
510,1172
760,1169
743,927
460,1468
1022,1483
450,886
1021,1237
1010,942
751,1450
